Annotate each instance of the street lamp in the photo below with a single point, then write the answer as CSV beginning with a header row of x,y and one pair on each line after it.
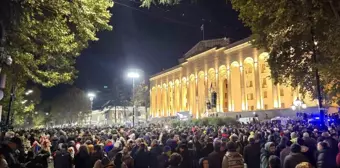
x,y
298,105
91,96
133,76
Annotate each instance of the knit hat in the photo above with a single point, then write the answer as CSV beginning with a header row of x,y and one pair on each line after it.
x,y
166,149
295,148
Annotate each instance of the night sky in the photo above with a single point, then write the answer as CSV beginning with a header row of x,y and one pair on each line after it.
x,y
150,39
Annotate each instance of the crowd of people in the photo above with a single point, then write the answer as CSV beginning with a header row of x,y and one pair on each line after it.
x,y
255,145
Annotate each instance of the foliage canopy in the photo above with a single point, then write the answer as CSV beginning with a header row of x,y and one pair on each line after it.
x,y
48,35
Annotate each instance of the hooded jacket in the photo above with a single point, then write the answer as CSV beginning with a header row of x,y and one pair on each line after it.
x,y
265,153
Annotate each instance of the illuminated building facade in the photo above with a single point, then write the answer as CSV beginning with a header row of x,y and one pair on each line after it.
x,y
236,72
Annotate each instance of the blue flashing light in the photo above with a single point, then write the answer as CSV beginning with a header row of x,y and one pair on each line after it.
x,y
317,118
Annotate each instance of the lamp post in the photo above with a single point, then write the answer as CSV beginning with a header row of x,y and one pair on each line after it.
x,y
298,105
91,96
133,75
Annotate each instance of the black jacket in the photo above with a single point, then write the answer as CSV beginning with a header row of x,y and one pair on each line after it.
x,y
251,155
325,159
294,159
215,159
62,159
155,152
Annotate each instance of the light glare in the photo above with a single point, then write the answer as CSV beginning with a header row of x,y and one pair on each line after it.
x,y
133,75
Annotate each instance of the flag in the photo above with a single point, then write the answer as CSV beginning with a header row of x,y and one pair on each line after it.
x,y
202,27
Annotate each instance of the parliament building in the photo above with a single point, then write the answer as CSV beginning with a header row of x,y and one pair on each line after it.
x,y
219,76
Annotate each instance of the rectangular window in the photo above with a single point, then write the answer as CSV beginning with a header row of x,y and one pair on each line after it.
x,y
282,93
249,84
282,105
251,108
266,107
225,95
264,83
265,94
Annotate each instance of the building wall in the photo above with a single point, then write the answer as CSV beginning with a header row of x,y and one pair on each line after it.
x,y
239,75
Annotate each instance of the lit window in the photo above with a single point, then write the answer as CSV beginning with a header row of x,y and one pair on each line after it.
x,y
264,83
251,108
282,92
250,84
265,94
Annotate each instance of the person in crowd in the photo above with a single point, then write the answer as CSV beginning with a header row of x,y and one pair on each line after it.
x,y
304,165
274,162
82,159
155,151
204,163
141,159
97,154
216,157
325,158
127,159
295,157
62,158
266,152
285,152
118,163
232,159
252,153
175,160
186,157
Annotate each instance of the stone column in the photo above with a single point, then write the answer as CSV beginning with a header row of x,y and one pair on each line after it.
x,y
275,95
258,87
243,96
230,105
217,90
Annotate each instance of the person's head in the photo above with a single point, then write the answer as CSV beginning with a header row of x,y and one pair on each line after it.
x,y
231,146
14,143
182,148
295,148
154,143
305,135
90,148
274,162
304,165
64,146
270,147
217,145
175,159
322,146
125,150
83,150
204,163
